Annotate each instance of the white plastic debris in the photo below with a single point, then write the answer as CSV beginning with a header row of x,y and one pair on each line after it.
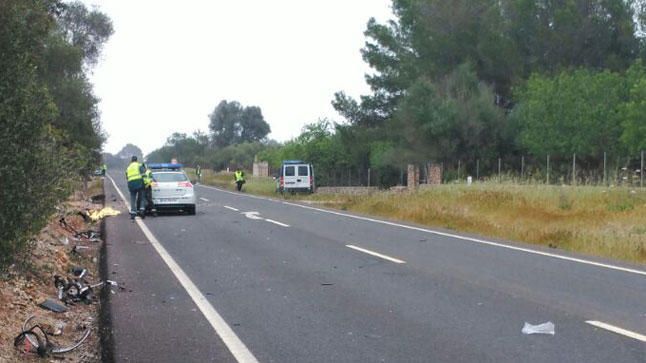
x,y
545,328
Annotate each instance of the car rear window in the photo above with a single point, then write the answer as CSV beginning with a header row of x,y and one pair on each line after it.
x,y
302,170
169,177
289,171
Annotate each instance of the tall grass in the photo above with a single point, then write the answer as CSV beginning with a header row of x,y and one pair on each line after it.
x,y
590,220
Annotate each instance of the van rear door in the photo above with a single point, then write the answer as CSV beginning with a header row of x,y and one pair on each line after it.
x,y
289,176
303,176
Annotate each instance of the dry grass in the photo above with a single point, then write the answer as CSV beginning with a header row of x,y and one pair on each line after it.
x,y
606,222
590,220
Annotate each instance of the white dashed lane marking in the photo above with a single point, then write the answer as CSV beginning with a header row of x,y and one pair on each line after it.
x,y
376,254
618,330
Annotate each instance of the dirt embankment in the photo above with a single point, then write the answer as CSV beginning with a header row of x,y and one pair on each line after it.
x,y
67,246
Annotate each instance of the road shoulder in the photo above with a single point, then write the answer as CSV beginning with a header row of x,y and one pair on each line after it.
x,y
152,318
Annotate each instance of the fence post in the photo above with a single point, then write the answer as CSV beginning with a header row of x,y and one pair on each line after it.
x,y
605,178
368,177
522,168
641,172
499,169
349,176
574,169
477,169
548,169
459,165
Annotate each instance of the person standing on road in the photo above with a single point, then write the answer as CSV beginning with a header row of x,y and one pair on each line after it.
x,y
238,175
134,175
198,172
104,168
148,190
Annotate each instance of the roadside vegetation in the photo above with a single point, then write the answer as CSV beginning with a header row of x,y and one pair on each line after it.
x,y
589,220
50,133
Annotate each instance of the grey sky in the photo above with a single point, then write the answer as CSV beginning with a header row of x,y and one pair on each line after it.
x,y
170,62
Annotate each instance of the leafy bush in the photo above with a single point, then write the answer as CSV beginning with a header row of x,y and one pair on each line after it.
x,y
43,152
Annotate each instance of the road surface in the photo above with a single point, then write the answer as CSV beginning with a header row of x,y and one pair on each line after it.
x,y
252,279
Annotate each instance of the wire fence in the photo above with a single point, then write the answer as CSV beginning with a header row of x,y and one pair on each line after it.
x,y
604,170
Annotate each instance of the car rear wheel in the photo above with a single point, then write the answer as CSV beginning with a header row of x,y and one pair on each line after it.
x,y
191,210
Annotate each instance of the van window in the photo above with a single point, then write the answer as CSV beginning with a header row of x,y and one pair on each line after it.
x,y
302,170
289,171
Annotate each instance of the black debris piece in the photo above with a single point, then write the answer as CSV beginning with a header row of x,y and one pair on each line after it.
x,y
52,305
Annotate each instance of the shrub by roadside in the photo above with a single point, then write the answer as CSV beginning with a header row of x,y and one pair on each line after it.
x,y
30,281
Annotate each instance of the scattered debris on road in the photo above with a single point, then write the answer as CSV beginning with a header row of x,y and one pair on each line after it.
x,y
36,339
545,328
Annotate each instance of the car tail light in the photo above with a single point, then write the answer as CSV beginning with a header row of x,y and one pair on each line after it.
x,y
282,181
185,184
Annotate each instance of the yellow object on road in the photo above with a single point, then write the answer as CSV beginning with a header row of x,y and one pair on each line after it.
x,y
105,212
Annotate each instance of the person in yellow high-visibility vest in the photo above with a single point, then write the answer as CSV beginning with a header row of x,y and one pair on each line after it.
x,y
134,175
148,190
239,178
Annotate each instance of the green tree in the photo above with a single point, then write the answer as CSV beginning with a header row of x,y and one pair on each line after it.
x,y
452,119
633,112
231,123
574,112
128,151
73,47
42,85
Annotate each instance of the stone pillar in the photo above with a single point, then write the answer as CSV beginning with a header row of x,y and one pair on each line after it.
x,y
434,173
261,169
413,176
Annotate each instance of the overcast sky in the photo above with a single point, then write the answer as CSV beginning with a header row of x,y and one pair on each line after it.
x,y
169,63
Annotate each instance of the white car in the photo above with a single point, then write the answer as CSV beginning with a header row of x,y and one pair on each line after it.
x,y
172,188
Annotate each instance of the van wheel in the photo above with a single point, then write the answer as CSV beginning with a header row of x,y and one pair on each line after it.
x,y
191,210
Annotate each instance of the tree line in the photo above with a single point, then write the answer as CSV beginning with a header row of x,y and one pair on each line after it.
x,y
476,80
236,134
50,132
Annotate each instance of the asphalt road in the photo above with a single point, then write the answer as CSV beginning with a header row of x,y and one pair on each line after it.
x,y
272,281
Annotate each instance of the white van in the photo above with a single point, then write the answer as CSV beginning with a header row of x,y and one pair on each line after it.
x,y
295,176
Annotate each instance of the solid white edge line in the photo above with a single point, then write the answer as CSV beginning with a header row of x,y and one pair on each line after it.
x,y
204,199
276,222
430,231
237,348
476,240
231,208
376,254
618,330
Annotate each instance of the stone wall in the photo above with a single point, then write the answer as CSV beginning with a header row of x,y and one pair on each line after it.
x,y
346,190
